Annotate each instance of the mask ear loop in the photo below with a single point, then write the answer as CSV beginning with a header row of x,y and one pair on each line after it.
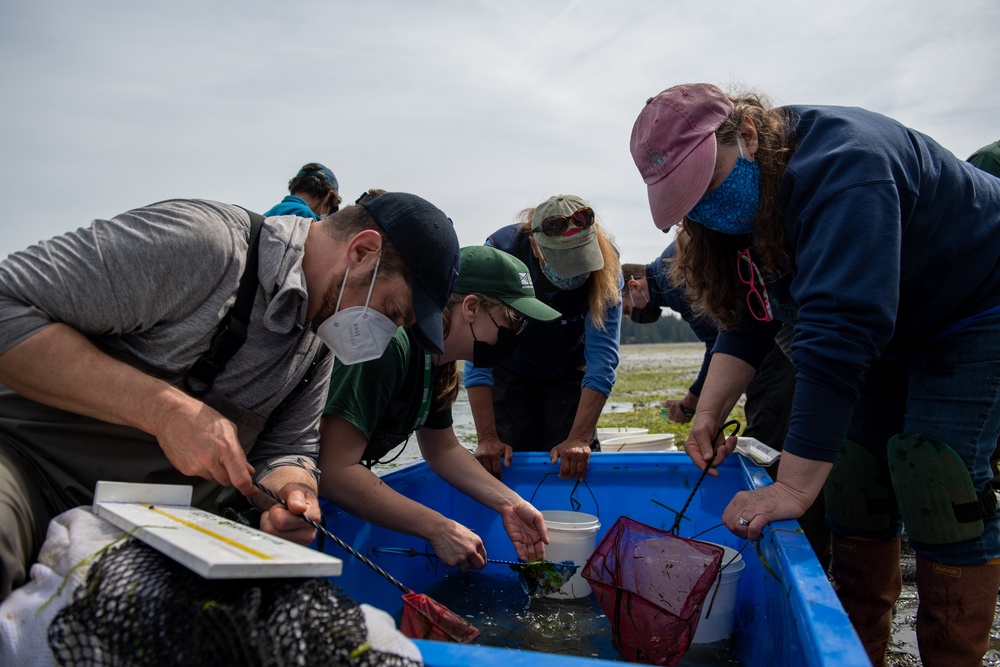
x,y
541,254
371,287
343,286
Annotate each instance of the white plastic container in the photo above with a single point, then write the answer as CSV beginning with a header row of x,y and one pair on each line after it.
x,y
619,431
718,624
572,536
641,442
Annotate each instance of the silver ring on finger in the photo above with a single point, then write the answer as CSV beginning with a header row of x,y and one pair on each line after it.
x,y
743,522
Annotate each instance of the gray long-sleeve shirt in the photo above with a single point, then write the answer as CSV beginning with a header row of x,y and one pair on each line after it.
x,y
156,281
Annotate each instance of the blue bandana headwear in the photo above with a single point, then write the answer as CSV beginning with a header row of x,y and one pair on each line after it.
x,y
731,208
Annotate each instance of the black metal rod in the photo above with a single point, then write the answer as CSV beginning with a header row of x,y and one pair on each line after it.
x,y
341,543
404,551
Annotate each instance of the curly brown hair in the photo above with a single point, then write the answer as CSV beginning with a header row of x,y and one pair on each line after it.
x,y
604,292
706,259
309,181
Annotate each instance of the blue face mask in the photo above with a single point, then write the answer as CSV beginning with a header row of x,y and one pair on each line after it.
x,y
731,208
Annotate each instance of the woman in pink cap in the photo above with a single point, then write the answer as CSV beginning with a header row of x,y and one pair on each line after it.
x,y
881,249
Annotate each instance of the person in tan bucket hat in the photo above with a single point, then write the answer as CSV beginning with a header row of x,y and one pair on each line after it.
x,y
834,221
573,251
548,395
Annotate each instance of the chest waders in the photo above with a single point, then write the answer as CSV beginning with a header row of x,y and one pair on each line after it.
x,y
66,453
939,505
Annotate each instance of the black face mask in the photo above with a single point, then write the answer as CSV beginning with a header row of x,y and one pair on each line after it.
x,y
647,315
486,355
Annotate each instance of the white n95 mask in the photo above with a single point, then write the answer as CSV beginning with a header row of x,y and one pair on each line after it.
x,y
357,334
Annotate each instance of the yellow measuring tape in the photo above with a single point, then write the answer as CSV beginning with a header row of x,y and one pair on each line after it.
x,y
206,531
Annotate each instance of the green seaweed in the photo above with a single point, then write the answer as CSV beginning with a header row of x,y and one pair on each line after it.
x,y
543,577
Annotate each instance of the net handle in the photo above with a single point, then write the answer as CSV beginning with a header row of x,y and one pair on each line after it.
x,y
708,465
341,543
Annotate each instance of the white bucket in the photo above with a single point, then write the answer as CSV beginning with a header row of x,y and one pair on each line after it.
x,y
619,431
572,536
719,624
641,442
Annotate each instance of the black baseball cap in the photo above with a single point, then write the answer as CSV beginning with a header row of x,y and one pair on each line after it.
x,y
426,240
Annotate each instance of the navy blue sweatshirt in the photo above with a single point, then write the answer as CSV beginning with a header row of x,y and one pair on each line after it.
x,y
895,242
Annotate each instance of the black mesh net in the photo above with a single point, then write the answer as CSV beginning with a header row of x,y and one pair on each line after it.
x,y
139,607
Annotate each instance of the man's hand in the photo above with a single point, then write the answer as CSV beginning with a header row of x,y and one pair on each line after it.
x,y
59,366
200,442
491,452
574,457
296,487
681,411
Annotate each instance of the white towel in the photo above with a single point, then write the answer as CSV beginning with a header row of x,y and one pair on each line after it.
x,y
74,541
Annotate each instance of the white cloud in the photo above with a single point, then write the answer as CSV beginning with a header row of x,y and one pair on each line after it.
x,y
484,108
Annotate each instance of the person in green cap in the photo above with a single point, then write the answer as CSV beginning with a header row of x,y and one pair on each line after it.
x,y
987,158
375,406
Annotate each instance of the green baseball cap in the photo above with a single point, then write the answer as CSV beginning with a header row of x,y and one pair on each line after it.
x,y
485,270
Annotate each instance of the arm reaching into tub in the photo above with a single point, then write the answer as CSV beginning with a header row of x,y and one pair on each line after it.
x,y
355,488
454,464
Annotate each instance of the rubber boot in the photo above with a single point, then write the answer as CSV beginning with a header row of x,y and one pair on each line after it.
x,y
868,581
955,612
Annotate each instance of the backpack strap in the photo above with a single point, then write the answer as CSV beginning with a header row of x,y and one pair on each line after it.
x,y
232,331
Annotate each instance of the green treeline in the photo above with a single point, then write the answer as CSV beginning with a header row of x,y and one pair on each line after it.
x,y
668,329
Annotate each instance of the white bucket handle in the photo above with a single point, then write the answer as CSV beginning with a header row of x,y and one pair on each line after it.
x,y
573,502
718,578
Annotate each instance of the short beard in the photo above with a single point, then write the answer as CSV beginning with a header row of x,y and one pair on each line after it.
x,y
328,306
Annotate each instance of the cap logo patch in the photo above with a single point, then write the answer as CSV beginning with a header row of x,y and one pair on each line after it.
x,y
526,280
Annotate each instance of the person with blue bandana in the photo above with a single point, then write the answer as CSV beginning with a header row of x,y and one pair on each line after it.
x,y
548,396
313,193
880,248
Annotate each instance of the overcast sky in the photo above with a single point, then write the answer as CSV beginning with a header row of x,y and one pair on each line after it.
x,y
484,108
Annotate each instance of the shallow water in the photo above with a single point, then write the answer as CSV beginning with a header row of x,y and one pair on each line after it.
x,y
510,619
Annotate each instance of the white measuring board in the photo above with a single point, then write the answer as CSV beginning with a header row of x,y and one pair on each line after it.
x,y
216,548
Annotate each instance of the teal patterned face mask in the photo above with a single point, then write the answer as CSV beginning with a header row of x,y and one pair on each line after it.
x,y
731,208
564,284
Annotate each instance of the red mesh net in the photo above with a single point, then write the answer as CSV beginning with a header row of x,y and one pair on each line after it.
x,y
424,618
651,584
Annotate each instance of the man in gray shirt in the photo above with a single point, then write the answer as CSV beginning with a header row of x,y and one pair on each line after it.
x,y
99,326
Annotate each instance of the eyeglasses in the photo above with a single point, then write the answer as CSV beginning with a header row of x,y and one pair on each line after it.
x,y
556,225
757,300
517,323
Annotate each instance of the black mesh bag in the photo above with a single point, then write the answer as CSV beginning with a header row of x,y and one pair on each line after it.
x,y
138,607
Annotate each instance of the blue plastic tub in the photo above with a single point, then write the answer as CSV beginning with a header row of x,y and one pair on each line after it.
x,y
788,616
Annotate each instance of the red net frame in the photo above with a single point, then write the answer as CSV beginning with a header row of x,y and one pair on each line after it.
x,y
425,618
651,584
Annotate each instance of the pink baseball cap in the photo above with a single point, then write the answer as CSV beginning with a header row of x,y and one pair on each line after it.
x,y
673,145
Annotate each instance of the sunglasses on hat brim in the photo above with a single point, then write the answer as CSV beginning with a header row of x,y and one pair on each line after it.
x,y
556,225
